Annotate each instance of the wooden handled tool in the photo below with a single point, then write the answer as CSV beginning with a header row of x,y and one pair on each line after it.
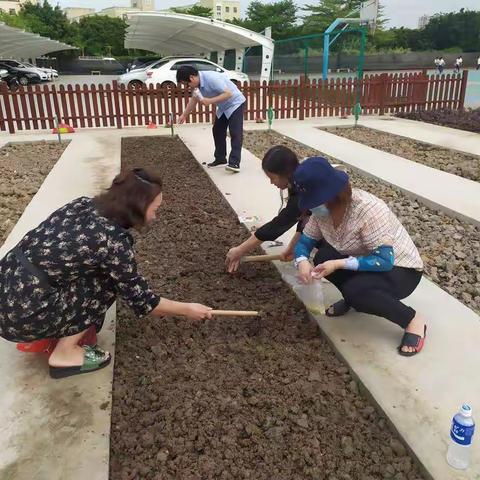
x,y
261,258
235,313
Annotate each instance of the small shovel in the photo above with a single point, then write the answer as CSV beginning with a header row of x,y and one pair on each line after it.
x,y
235,313
261,258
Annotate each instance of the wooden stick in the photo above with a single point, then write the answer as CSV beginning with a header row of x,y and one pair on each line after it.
x,y
235,313
261,258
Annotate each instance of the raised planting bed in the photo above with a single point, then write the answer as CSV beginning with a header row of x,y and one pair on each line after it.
x,y
450,248
462,164
468,120
238,398
23,168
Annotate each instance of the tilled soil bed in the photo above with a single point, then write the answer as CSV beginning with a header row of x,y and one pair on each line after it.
x,y
230,398
462,164
23,168
450,248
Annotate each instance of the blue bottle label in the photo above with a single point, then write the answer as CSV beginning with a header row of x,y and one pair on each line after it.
x,y
461,434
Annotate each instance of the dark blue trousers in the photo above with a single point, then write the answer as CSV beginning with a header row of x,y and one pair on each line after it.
x,y
235,126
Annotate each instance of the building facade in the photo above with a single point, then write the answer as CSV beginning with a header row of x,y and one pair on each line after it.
x,y
223,9
13,6
74,14
423,20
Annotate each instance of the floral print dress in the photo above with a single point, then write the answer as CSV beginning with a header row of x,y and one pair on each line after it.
x,y
75,264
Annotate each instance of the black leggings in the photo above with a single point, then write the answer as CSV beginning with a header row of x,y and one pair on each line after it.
x,y
377,293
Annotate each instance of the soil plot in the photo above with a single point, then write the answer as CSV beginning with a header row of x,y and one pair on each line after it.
x,y
461,164
23,168
445,243
237,398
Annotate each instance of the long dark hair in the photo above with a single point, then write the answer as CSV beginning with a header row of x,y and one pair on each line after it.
x,y
280,160
128,198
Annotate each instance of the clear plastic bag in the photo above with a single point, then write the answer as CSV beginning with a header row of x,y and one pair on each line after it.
x,y
311,294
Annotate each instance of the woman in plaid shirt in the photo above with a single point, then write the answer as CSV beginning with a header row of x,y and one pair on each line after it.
x,y
363,249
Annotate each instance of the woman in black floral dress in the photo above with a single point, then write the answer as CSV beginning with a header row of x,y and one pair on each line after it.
x,y
63,276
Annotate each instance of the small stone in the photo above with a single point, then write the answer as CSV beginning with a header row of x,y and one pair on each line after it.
x,y
347,446
148,439
399,476
397,447
314,376
353,387
367,411
302,421
275,433
253,429
388,471
162,456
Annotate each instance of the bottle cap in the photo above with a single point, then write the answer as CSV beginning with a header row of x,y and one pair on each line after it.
x,y
466,410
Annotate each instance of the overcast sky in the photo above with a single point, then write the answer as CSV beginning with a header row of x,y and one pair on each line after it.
x,y
400,12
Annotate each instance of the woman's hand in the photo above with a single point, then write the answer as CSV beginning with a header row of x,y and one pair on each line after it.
x,y
181,119
287,255
326,268
197,311
305,272
232,261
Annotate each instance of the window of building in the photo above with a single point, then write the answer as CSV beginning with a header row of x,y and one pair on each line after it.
x,y
235,9
227,9
219,8
12,11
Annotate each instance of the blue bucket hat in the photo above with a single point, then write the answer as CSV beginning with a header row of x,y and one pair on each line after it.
x,y
317,182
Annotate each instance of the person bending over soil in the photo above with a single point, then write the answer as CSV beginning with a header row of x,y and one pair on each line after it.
x,y
279,163
363,250
63,276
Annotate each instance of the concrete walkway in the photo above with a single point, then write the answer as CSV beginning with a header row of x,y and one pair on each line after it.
x,y
59,429
418,394
453,194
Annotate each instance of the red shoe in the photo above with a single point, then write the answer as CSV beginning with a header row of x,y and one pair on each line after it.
x,y
412,340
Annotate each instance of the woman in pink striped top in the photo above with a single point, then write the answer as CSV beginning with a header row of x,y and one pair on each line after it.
x,y
363,249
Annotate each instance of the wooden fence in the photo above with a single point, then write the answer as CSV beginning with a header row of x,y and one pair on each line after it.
x,y
38,107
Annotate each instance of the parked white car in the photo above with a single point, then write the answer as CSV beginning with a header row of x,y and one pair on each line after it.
x,y
44,77
164,72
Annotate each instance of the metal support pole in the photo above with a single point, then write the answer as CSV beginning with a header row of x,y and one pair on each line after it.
x,y
305,59
361,62
326,46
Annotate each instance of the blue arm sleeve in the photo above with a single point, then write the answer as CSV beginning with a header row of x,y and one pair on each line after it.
x,y
380,260
304,246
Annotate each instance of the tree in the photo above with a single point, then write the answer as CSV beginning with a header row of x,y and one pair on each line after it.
x,y
281,16
101,35
196,10
319,17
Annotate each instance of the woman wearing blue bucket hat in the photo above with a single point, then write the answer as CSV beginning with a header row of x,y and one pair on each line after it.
x,y
363,249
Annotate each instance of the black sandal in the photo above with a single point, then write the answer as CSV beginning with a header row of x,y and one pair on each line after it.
x,y
337,309
412,340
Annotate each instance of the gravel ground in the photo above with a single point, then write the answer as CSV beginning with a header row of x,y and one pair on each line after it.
x,y
450,248
468,119
462,164
23,168
231,398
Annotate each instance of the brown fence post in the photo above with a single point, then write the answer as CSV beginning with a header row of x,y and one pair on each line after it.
x,y
116,103
8,108
301,97
463,89
382,92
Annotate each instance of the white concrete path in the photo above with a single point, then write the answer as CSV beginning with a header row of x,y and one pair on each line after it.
x,y
59,429
455,195
418,394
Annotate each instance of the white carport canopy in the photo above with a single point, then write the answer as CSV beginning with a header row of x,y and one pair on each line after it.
x,y
16,43
178,34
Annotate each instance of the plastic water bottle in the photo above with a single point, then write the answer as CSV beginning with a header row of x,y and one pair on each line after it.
x,y
461,434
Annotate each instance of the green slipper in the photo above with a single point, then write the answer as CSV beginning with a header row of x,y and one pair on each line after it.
x,y
94,359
